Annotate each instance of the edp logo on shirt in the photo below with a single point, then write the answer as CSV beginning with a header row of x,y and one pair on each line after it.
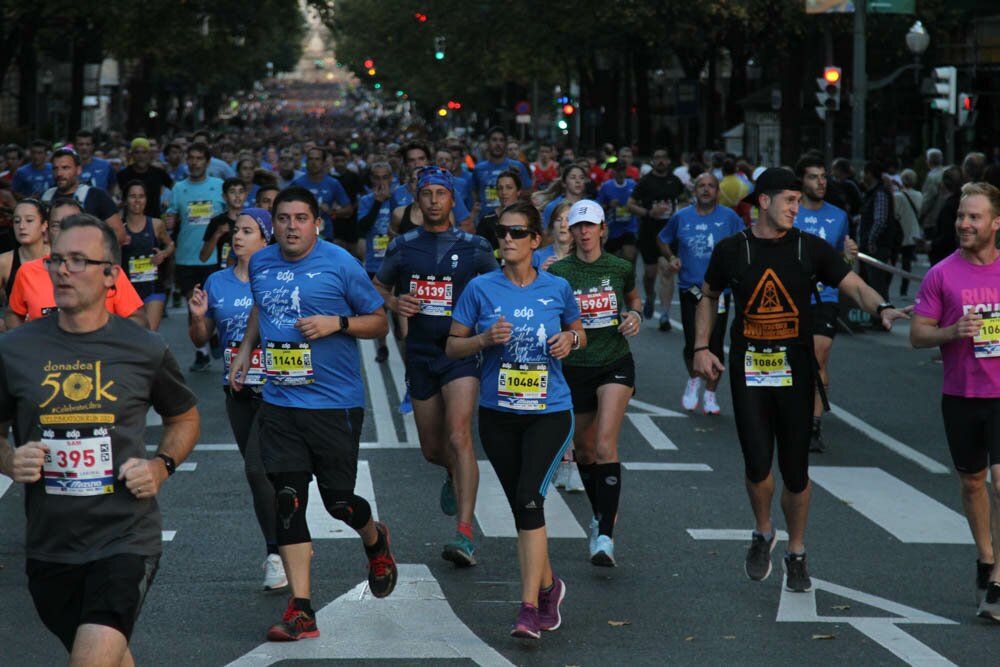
x,y
526,313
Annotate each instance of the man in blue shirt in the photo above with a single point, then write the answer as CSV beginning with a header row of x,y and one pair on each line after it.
x,y
696,230
374,214
830,223
36,177
428,267
332,198
193,204
312,300
484,176
176,166
95,171
623,226
463,181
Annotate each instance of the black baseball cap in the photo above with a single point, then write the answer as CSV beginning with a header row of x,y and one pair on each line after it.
x,y
774,179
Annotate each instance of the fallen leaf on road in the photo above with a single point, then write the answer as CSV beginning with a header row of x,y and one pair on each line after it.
x,y
729,637
841,607
689,639
824,636
618,624
713,553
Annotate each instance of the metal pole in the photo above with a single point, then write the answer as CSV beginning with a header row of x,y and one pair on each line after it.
x,y
859,101
828,120
949,138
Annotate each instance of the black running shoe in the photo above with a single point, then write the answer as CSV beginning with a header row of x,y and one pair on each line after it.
x,y
983,572
796,574
294,625
816,444
990,606
382,572
758,562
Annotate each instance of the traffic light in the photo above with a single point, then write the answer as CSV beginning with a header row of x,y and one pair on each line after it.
x,y
568,109
371,71
829,91
378,85
945,90
420,17
563,125
452,104
966,109
442,112
439,44
369,63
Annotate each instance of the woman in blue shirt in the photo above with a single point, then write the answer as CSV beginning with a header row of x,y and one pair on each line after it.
x,y
523,321
224,306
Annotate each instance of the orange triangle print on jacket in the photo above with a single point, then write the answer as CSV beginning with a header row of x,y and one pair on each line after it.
x,y
771,314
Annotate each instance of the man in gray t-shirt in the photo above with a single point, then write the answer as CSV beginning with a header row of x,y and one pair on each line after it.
x,y
77,387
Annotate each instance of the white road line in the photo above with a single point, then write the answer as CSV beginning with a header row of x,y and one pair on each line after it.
x,y
5,483
731,534
231,447
801,608
655,409
894,505
493,512
385,428
322,526
907,452
398,372
415,623
679,467
153,418
656,438
187,466
168,535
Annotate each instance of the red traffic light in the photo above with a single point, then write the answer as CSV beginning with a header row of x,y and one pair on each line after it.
x,y
420,17
967,102
369,63
831,75
568,109
454,105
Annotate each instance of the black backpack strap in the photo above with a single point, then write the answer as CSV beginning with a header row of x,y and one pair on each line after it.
x,y
805,260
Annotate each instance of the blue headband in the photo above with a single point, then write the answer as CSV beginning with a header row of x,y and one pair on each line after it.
x,y
434,176
263,220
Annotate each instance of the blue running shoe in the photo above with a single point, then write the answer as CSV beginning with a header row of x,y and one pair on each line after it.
x,y
449,503
460,551
406,406
604,554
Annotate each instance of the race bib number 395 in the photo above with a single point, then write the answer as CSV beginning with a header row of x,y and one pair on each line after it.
x,y
79,462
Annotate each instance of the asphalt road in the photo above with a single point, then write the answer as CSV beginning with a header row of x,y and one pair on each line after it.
x,y
889,550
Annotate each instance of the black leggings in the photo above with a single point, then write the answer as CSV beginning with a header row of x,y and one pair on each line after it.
x,y
689,307
765,415
242,412
525,450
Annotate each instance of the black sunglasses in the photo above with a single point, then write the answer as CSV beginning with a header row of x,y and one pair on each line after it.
x,y
516,232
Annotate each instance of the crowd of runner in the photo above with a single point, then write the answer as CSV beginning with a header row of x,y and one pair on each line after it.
x,y
509,286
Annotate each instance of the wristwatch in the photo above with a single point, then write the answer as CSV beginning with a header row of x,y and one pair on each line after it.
x,y
883,306
345,323
169,463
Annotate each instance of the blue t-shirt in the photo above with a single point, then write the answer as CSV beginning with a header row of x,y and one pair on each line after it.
x,y
830,224
620,220
229,304
195,203
547,211
435,267
377,239
28,180
510,380
696,236
402,196
463,189
329,191
180,173
484,180
539,256
327,281
217,168
98,173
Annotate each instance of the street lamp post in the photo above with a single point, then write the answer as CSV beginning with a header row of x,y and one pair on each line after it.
x,y
917,41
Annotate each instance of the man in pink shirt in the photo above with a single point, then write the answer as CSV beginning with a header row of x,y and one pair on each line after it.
x,y
958,309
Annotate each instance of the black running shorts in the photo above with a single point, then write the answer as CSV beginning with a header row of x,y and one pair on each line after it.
x,y
584,381
972,426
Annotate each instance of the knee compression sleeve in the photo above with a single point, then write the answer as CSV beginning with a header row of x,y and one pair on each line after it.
x,y
291,493
347,507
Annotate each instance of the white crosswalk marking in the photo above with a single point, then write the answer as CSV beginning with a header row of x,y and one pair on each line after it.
x,y
493,512
322,526
187,466
385,428
153,418
398,372
728,534
894,505
656,438
168,535
5,483
678,467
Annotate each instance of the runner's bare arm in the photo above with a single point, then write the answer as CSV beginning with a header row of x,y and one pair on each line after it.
x,y
706,364
143,477
926,332
372,325
869,300
12,320
23,464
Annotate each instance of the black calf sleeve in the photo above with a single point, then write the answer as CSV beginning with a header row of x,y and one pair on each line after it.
x,y
347,507
291,494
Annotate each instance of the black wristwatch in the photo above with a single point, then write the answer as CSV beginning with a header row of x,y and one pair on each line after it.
x,y
345,323
883,306
169,463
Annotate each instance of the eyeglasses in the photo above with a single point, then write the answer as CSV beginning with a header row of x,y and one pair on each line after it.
x,y
75,263
516,232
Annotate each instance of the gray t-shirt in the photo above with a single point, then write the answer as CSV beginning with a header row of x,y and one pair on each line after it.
x,y
86,396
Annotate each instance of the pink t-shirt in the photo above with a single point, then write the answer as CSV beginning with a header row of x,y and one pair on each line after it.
x,y
950,289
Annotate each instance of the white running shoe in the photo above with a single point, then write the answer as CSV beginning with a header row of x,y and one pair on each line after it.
x,y
709,405
274,573
573,482
690,400
562,474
